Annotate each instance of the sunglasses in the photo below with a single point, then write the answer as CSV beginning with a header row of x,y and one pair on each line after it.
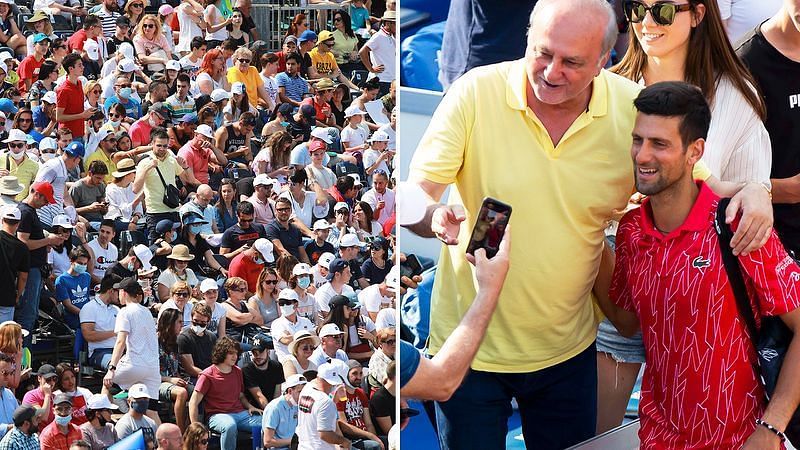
x,y
307,347
283,209
25,120
243,60
245,220
182,294
662,13
13,145
148,25
137,5
286,302
270,281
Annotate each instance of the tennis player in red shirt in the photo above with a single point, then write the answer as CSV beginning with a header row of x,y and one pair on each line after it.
x,y
699,389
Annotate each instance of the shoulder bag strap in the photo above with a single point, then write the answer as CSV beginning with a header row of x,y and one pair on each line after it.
x,y
733,270
161,176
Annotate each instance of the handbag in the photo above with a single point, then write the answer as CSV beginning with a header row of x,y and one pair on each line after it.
x,y
157,67
172,196
772,341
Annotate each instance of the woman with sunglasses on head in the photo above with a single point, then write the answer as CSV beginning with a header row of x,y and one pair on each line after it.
x,y
685,42
196,437
58,50
264,304
173,388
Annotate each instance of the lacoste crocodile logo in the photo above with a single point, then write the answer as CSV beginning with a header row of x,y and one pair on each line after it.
x,y
700,263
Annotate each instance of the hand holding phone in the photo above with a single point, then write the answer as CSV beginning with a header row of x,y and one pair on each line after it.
x,y
410,268
490,227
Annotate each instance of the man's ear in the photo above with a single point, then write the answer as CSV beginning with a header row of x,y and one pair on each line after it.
x,y
695,151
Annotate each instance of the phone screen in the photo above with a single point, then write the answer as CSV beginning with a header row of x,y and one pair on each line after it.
x,y
490,227
410,267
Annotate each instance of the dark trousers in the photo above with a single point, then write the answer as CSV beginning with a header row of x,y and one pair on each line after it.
x,y
558,406
152,220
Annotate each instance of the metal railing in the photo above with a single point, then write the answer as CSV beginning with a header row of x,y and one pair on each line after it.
x,y
273,20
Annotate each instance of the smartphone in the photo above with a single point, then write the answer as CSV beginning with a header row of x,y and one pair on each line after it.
x,y
410,268
489,228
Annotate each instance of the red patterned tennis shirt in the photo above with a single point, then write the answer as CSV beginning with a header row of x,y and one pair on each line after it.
x,y
699,390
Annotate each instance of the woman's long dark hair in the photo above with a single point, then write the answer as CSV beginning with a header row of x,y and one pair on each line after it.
x,y
347,21
167,338
221,203
367,210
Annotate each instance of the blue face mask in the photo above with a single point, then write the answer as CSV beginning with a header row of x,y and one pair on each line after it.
x,y
115,124
125,93
140,407
80,268
284,124
304,282
258,260
195,229
63,420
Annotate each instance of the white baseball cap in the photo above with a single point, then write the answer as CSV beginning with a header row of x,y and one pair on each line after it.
x,y
330,329
392,279
126,49
353,110
63,221
349,240
219,94
205,130
99,401
144,255
288,294
208,284
48,143
10,212
292,381
263,180
341,205
265,247
49,97
92,49
322,224
137,391
237,88
301,269
126,65
104,132
330,373
5,55
16,135
322,133
173,65
379,136
356,179
325,259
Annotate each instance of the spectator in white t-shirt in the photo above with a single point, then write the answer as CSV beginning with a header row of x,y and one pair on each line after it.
x,y
330,345
98,318
317,416
284,327
105,252
380,197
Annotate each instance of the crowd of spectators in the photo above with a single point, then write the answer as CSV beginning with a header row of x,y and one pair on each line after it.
x,y
212,219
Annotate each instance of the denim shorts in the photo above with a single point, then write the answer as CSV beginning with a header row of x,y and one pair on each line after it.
x,y
622,349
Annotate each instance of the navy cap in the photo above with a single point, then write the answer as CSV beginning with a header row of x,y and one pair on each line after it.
x,y
165,225
262,342
336,266
308,111
285,109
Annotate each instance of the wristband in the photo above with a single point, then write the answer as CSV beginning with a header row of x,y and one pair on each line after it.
x,y
772,429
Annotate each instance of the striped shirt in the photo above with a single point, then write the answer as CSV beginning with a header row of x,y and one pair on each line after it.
x,y
109,19
177,108
295,86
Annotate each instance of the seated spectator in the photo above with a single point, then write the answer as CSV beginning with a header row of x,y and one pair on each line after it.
x,y
209,290
300,157
99,431
300,282
183,132
168,435
105,152
338,279
319,245
273,159
349,250
376,297
264,303
285,236
212,74
196,436
300,123
291,86
138,257
225,209
104,251
279,121
23,435
306,204
9,402
367,228
323,61
331,345
359,331
196,341
135,419
152,47
122,92
17,163
200,152
263,205
384,354
221,390
249,263
240,325
178,299
380,197
72,286
173,387
141,130
300,350
377,157
382,403
180,103
193,237
285,327
60,433
248,75
177,270
280,416
323,93
67,383
354,415
377,266
238,104
316,171
317,417
262,376
236,238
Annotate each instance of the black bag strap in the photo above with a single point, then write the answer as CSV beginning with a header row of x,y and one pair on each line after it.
x,y
733,270
161,176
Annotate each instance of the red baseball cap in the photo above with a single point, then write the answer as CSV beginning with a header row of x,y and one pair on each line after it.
x,y
46,189
316,145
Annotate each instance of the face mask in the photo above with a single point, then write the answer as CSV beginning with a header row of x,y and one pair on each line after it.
x,y
125,93
80,268
196,229
198,330
152,122
140,407
304,282
284,124
63,420
287,310
131,267
47,156
18,156
258,260
114,124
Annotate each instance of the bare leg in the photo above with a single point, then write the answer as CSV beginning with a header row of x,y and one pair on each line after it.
x,y
180,396
615,381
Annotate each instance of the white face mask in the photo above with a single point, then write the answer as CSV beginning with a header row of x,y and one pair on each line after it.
x,y
17,155
198,330
287,310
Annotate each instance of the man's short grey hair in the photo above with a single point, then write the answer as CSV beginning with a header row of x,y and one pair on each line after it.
x,y
581,6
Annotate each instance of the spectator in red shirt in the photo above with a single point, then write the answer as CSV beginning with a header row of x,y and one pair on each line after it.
x,y
221,389
155,117
61,432
321,102
92,29
70,112
29,67
698,388
249,263
354,418
199,151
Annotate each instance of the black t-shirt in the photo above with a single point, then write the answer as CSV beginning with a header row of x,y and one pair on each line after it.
x,y
305,65
14,259
197,346
235,237
314,251
198,250
30,224
296,128
355,273
382,405
373,273
113,43
778,78
247,24
121,271
290,238
266,380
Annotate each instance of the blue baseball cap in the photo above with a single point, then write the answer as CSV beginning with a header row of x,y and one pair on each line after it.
x,y
75,148
39,37
189,118
307,35
7,106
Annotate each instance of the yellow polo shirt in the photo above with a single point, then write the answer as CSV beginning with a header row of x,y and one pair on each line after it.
x,y
325,63
153,187
486,142
251,80
100,155
25,172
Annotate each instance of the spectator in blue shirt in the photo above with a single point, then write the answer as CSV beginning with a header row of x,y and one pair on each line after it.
x,y
122,95
280,416
72,286
291,86
8,403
